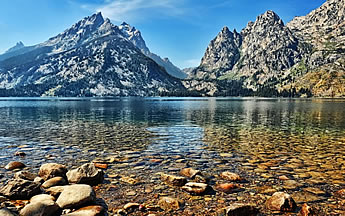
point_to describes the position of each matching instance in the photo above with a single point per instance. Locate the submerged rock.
(20, 189)
(25, 175)
(174, 180)
(190, 172)
(169, 203)
(231, 176)
(226, 188)
(51, 170)
(239, 209)
(306, 210)
(85, 174)
(195, 188)
(281, 201)
(74, 196)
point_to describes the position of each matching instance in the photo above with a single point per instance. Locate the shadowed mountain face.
(92, 58)
(270, 58)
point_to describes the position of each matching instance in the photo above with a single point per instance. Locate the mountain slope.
(136, 38)
(92, 58)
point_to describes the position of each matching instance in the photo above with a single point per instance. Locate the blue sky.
(178, 29)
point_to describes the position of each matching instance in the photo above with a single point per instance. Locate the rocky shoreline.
(94, 189)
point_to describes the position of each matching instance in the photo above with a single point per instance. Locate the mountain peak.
(96, 19)
(269, 17)
(18, 46)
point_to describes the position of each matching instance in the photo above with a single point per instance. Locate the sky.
(178, 29)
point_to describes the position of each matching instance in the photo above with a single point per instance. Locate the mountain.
(18, 46)
(136, 38)
(92, 58)
(269, 58)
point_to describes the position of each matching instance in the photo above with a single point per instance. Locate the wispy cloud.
(139, 10)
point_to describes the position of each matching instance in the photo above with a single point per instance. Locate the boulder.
(231, 176)
(51, 170)
(94, 210)
(85, 174)
(281, 201)
(56, 181)
(169, 203)
(25, 175)
(55, 191)
(239, 209)
(130, 207)
(20, 189)
(40, 205)
(74, 196)
(173, 180)
(340, 193)
(190, 172)
(14, 165)
(195, 188)
(6, 212)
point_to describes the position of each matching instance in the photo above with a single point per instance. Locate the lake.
(259, 138)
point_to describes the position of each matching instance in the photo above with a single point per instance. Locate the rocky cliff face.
(269, 57)
(92, 58)
(220, 56)
(134, 35)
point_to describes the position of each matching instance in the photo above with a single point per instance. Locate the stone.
(189, 172)
(39, 180)
(56, 181)
(85, 174)
(40, 205)
(283, 178)
(128, 180)
(315, 191)
(306, 210)
(200, 179)
(20, 189)
(74, 196)
(6, 212)
(51, 170)
(239, 209)
(130, 207)
(306, 197)
(340, 193)
(195, 188)
(291, 185)
(226, 187)
(94, 210)
(20, 154)
(25, 175)
(173, 180)
(231, 176)
(169, 203)
(101, 165)
(14, 165)
(55, 191)
(281, 201)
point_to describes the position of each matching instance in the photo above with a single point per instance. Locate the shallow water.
(303, 139)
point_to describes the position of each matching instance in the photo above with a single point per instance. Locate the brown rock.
(25, 175)
(130, 207)
(195, 188)
(306, 211)
(51, 170)
(173, 180)
(226, 188)
(94, 210)
(340, 193)
(231, 176)
(283, 178)
(168, 203)
(281, 201)
(6, 212)
(20, 154)
(129, 180)
(14, 165)
(101, 165)
(239, 209)
(189, 172)
(56, 181)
